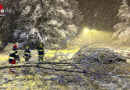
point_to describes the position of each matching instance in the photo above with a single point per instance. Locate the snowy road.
(63, 54)
(123, 51)
(38, 79)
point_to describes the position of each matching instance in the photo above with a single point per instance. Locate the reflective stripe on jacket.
(41, 55)
(40, 51)
(11, 57)
(27, 53)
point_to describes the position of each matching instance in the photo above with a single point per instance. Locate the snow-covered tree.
(124, 11)
(122, 29)
(47, 21)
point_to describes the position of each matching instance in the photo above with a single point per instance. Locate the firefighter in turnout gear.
(12, 60)
(40, 52)
(13, 57)
(27, 54)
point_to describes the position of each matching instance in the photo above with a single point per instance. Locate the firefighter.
(27, 54)
(12, 57)
(15, 48)
(12, 60)
(40, 52)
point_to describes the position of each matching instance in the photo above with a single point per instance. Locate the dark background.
(100, 14)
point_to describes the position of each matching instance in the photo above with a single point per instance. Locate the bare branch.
(39, 66)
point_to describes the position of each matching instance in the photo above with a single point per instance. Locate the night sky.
(100, 14)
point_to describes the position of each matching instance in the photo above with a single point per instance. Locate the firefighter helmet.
(15, 46)
(41, 45)
(27, 47)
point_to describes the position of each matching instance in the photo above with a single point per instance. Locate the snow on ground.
(63, 54)
(53, 81)
(125, 51)
(49, 54)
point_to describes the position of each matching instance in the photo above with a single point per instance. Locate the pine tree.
(124, 11)
(122, 29)
(49, 22)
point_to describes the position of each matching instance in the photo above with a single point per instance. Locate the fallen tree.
(39, 66)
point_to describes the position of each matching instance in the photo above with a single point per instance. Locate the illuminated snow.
(26, 10)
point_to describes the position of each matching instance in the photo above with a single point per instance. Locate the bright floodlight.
(86, 30)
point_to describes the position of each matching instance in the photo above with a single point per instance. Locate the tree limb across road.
(39, 66)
